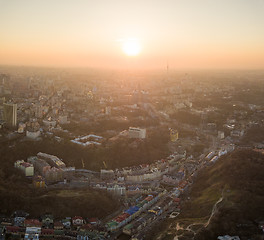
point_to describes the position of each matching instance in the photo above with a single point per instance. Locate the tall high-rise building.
(10, 114)
(4, 79)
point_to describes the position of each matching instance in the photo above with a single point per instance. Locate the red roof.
(149, 198)
(77, 217)
(26, 164)
(182, 184)
(93, 220)
(47, 231)
(32, 222)
(12, 229)
(125, 215)
(122, 217)
(58, 224)
(118, 220)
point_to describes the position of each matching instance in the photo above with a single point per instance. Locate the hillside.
(17, 193)
(121, 153)
(238, 178)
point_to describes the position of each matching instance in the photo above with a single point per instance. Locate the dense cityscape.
(132, 120)
(194, 124)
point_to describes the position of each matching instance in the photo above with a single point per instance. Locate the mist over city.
(132, 120)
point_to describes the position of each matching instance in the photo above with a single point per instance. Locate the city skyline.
(187, 34)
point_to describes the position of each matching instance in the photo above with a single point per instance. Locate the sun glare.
(131, 47)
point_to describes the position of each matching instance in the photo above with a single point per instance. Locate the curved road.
(214, 209)
(189, 227)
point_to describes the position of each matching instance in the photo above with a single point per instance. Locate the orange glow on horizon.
(189, 34)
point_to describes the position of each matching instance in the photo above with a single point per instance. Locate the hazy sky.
(186, 33)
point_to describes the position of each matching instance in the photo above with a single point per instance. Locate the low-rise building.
(54, 175)
(41, 166)
(27, 168)
(39, 182)
(33, 223)
(116, 189)
(47, 221)
(134, 132)
(51, 160)
(227, 237)
(237, 133)
(107, 174)
(171, 179)
(150, 175)
(19, 221)
(221, 135)
(66, 222)
(33, 134)
(21, 127)
(88, 140)
(47, 233)
(49, 123)
(32, 233)
(63, 119)
(77, 221)
(58, 226)
(210, 155)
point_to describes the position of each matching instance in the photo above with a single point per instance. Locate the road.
(214, 209)
(189, 227)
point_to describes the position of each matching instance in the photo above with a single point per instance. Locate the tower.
(167, 72)
(10, 114)
(4, 79)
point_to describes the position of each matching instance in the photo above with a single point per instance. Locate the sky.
(202, 34)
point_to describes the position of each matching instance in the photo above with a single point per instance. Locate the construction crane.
(82, 163)
(105, 165)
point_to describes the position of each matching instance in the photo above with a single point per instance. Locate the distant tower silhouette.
(29, 83)
(167, 71)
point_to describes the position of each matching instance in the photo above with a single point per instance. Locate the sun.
(131, 47)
